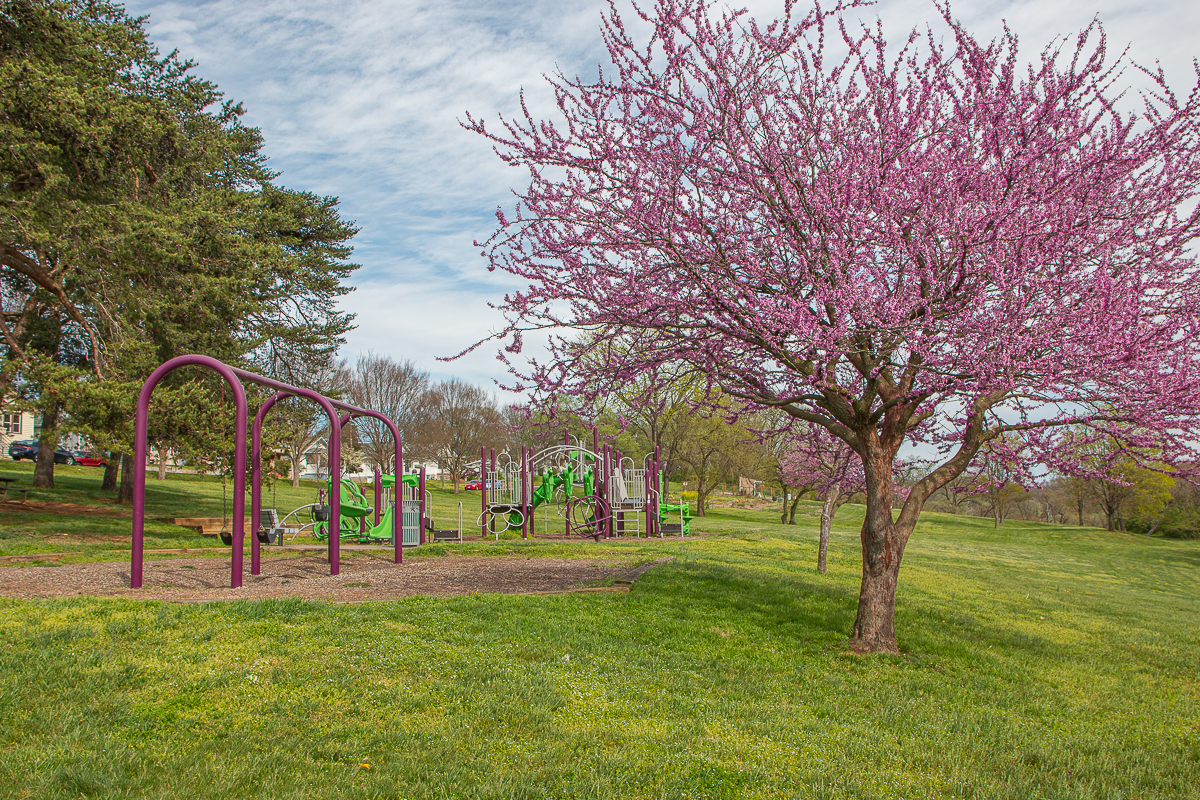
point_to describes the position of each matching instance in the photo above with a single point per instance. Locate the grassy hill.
(1039, 662)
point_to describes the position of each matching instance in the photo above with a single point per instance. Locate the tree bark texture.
(125, 494)
(112, 466)
(795, 505)
(829, 508)
(883, 543)
(162, 464)
(43, 471)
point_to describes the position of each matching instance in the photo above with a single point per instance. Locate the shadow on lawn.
(785, 605)
(817, 612)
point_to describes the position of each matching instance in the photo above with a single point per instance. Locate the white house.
(16, 425)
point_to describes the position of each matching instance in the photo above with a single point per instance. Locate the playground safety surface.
(364, 576)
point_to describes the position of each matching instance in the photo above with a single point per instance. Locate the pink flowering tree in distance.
(937, 243)
(815, 458)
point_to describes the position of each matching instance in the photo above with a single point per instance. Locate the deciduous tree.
(463, 419)
(397, 389)
(925, 243)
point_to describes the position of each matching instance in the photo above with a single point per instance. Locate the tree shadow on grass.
(785, 605)
(814, 613)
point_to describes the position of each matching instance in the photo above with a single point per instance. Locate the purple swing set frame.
(234, 376)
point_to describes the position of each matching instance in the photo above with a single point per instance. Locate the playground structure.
(618, 498)
(234, 377)
(355, 513)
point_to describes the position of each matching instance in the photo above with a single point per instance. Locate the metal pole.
(140, 446)
(603, 495)
(233, 375)
(421, 491)
(483, 484)
(256, 477)
(526, 491)
(658, 495)
(397, 519)
(378, 494)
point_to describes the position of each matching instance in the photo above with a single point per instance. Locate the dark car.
(28, 448)
(86, 458)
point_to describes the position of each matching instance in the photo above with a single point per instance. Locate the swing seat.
(268, 526)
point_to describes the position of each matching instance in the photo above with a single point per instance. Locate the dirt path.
(51, 507)
(363, 577)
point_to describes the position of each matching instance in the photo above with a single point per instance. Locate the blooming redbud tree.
(935, 244)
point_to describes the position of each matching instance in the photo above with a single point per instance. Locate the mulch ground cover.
(364, 576)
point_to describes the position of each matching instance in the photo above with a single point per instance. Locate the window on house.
(11, 423)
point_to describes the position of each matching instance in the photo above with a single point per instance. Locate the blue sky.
(361, 99)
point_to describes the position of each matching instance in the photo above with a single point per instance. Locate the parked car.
(474, 486)
(87, 458)
(25, 448)
(28, 448)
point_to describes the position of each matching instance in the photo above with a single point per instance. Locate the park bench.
(8, 486)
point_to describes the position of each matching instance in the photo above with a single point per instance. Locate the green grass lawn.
(1039, 662)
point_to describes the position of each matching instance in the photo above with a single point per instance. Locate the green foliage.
(1181, 518)
(139, 221)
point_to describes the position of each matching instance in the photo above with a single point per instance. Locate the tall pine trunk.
(43, 471)
(112, 466)
(125, 494)
(883, 543)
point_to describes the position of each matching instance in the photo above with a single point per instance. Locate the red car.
(87, 458)
(475, 486)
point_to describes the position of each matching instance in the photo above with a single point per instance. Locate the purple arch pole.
(233, 377)
(378, 494)
(424, 510)
(335, 446)
(398, 472)
(141, 426)
(335, 465)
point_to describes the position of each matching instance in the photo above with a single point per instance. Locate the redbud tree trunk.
(883, 542)
(833, 501)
